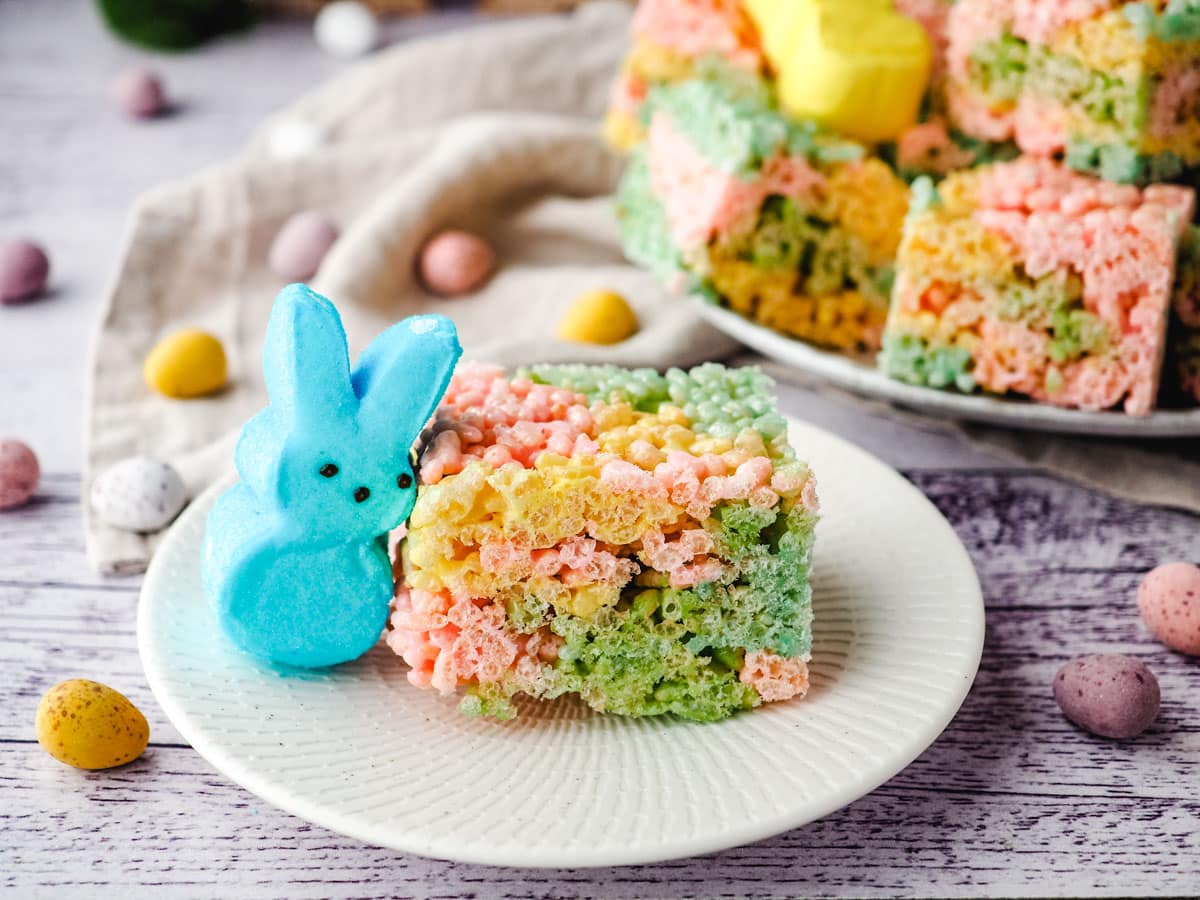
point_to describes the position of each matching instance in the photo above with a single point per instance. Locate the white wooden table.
(1010, 801)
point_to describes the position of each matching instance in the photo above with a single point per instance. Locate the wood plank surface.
(1010, 801)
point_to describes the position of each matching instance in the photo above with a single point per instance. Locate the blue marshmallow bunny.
(295, 555)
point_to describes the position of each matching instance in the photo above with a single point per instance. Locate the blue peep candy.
(295, 555)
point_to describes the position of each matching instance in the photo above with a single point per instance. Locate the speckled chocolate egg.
(455, 262)
(293, 138)
(140, 94)
(301, 244)
(1169, 601)
(90, 726)
(1108, 694)
(19, 473)
(346, 29)
(138, 494)
(24, 270)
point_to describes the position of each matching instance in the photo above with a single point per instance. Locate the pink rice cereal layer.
(447, 640)
(703, 203)
(693, 28)
(1122, 242)
(485, 416)
(774, 677)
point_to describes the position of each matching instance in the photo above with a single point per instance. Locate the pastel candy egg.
(301, 244)
(598, 317)
(90, 726)
(1169, 601)
(1109, 695)
(138, 494)
(346, 29)
(19, 473)
(24, 270)
(455, 262)
(188, 363)
(293, 138)
(139, 92)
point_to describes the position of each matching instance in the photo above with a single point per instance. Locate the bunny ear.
(401, 376)
(305, 360)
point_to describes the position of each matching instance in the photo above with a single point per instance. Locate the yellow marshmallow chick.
(856, 66)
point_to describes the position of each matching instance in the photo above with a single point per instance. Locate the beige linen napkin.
(493, 128)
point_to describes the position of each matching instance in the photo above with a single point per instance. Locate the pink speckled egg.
(24, 270)
(19, 473)
(301, 244)
(1110, 695)
(455, 262)
(1169, 601)
(140, 94)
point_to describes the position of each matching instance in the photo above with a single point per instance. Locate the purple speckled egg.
(19, 473)
(24, 270)
(301, 244)
(140, 94)
(1169, 602)
(455, 262)
(1108, 694)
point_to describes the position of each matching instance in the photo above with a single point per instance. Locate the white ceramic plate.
(860, 376)
(898, 636)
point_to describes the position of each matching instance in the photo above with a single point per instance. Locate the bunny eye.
(404, 481)
(329, 470)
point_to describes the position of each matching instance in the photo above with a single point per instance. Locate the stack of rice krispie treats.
(1112, 86)
(1051, 262)
(775, 218)
(643, 541)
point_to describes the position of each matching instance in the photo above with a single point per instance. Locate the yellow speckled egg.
(598, 317)
(187, 363)
(90, 726)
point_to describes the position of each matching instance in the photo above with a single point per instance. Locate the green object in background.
(174, 24)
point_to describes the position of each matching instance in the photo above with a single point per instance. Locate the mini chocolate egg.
(189, 363)
(24, 270)
(19, 473)
(455, 262)
(293, 138)
(346, 29)
(1169, 602)
(90, 726)
(138, 494)
(598, 317)
(139, 92)
(301, 244)
(1110, 695)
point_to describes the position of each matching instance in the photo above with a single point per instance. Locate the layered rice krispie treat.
(1115, 86)
(772, 217)
(674, 40)
(1029, 278)
(641, 540)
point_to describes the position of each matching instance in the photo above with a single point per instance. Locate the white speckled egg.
(346, 29)
(138, 494)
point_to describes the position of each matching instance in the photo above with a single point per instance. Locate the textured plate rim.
(156, 664)
(854, 376)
